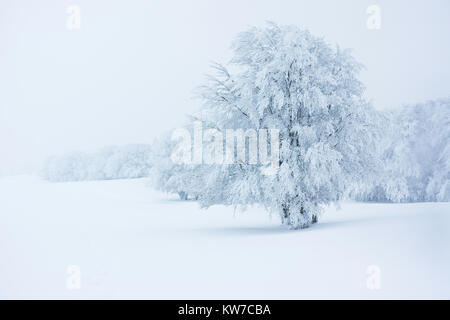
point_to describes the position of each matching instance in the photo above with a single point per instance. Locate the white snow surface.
(132, 242)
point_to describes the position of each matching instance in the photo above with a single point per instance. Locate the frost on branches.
(287, 79)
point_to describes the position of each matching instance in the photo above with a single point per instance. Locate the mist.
(128, 73)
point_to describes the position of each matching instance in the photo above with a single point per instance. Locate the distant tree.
(436, 116)
(180, 178)
(115, 162)
(415, 157)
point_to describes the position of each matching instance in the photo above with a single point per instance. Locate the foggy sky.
(128, 73)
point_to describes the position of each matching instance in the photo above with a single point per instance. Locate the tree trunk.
(183, 195)
(303, 223)
(285, 216)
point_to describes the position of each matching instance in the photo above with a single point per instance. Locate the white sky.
(128, 73)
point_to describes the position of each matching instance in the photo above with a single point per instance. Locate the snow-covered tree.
(168, 176)
(415, 157)
(438, 126)
(390, 183)
(287, 79)
(115, 162)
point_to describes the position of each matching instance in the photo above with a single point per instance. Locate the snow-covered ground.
(132, 242)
